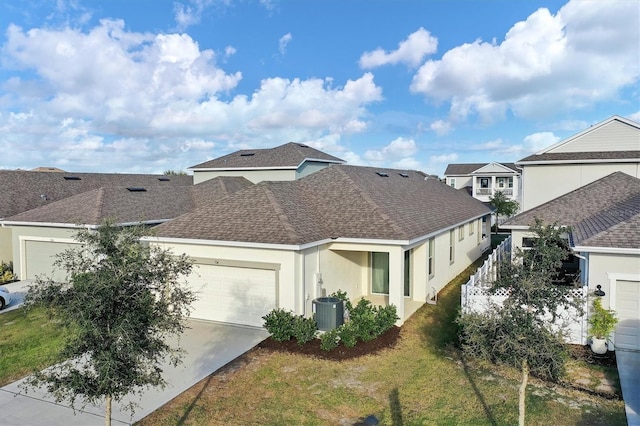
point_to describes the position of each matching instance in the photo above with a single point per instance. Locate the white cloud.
(441, 127)
(635, 116)
(283, 42)
(538, 141)
(398, 149)
(109, 84)
(411, 51)
(584, 54)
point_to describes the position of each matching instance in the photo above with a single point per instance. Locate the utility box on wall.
(328, 312)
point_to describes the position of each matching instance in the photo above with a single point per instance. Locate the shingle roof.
(336, 202)
(468, 168)
(581, 156)
(25, 190)
(289, 155)
(604, 213)
(131, 204)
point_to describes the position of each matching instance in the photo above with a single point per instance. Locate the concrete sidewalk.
(629, 373)
(209, 347)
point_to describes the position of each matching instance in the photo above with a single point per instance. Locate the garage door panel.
(628, 311)
(39, 257)
(233, 294)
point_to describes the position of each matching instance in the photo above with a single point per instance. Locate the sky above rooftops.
(151, 85)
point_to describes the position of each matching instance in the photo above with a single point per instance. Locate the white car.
(5, 297)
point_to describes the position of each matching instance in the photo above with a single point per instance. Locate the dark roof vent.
(404, 175)
(164, 179)
(247, 154)
(136, 189)
(303, 145)
(382, 174)
(72, 178)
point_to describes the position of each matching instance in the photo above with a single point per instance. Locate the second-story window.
(484, 182)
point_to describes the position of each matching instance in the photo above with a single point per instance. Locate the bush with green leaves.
(348, 334)
(329, 339)
(6, 273)
(279, 323)
(304, 329)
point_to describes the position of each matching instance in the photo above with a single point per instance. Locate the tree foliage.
(122, 300)
(503, 205)
(524, 332)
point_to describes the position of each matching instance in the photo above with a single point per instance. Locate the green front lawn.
(424, 380)
(29, 341)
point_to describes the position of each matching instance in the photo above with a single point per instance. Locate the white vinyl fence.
(475, 296)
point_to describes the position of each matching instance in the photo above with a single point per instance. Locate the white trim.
(516, 227)
(586, 161)
(22, 247)
(607, 250)
(614, 277)
(221, 169)
(588, 130)
(80, 226)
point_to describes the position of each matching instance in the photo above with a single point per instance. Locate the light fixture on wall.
(598, 291)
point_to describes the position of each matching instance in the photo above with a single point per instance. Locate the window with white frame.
(432, 257)
(380, 272)
(407, 273)
(452, 182)
(452, 242)
(472, 227)
(461, 233)
(484, 182)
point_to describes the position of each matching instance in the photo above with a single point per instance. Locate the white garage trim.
(23, 240)
(631, 341)
(235, 292)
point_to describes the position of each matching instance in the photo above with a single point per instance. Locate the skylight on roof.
(136, 189)
(164, 179)
(382, 174)
(404, 175)
(247, 154)
(72, 178)
(303, 146)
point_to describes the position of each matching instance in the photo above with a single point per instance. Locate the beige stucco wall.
(310, 167)
(603, 265)
(542, 183)
(40, 233)
(288, 265)
(254, 176)
(6, 250)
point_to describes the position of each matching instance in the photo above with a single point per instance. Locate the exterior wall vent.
(136, 189)
(247, 154)
(72, 178)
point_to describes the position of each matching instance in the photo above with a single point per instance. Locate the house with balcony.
(483, 180)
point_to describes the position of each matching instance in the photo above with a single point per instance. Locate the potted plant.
(601, 323)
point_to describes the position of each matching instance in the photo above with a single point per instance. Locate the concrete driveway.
(18, 290)
(629, 373)
(209, 347)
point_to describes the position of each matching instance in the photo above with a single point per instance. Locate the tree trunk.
(107, 412)
(522, 393)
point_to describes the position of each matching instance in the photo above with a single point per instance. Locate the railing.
(475, 296)
(491, 191)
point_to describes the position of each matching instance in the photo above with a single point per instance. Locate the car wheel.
(1, 303)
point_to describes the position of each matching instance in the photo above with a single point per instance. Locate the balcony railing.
(491, 191)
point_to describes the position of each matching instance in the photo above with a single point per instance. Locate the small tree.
(121, 302)
(524, 331)
(503, 205)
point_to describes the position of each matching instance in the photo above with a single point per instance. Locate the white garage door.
(233, 294)
(628, 310)
(39, 257)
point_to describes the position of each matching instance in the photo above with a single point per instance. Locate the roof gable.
(596, 212)
(288, 156)
(336, 202)
(496, 168)
(468, 169)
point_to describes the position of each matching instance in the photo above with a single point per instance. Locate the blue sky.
(144, 86)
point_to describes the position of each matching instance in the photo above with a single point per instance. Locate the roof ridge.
(284, 219)
(373, 204)
(99, 204)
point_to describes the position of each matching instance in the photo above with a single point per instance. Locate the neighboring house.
(37, 235)
(604, 217)
(22, 190)
(483, 180)
(610, 146)
(290, 161)
(391, 236)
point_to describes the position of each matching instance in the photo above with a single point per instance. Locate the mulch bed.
(340, 353)
(584, 353)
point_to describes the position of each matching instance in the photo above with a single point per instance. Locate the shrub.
(280, 324)
(363, 317)
(6, 273)
(386, 318)
(329, 339)
(304, 329)
(348, 334)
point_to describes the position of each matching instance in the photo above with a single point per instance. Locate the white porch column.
(494, 186)
(396, 281)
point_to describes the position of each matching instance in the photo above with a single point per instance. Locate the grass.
(29, 341)
(423, 380)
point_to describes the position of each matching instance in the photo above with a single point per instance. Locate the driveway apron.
(629, 372)
(209, 346)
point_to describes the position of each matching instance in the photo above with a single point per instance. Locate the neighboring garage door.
(39, 257)
(628, 310)
(233, 294)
